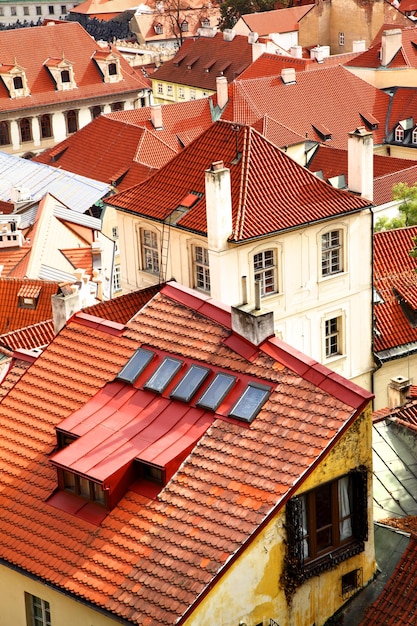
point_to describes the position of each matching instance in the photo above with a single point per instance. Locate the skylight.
(163, 375)
(135, 365)
(216, 391)
(189, 384)
(250, 402)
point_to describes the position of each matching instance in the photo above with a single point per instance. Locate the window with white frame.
(414, 135)
(159, 88)
(150, 252)
(201, 268)
(38, 612)
(170, 90)
(181, 92)
(265, 271)
(399, 133)
(332, 253)
(341, 39)
(117, 278)
(192, 94)
(333, 336)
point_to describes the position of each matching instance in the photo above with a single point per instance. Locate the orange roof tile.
(405, 57)
(80, 258)
(278, 21)
(188, 67)
(305, 103)
(123, 308)
(30, 47)
(31, 337)
(143, 563)
(14, 261)
(256, 211)
(13, 316)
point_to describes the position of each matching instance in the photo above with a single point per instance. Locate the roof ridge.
(243, 188)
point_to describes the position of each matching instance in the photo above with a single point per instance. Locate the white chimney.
(391, 42)
(222, 91)
(398, 389)
(156, 116)
(361, 162)
(252, 37)
(218, 206)
(288, 75)
(296, 51)
(257, 50)
(64, 305)
(228, 34)
(359, 45)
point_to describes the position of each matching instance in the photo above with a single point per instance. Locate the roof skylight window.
(216, 391)
(135, 365)
(250, 402)
(189, 384)
(163, 375)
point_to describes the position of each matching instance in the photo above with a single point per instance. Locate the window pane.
(163, 375)
(84, 487)
(217, 390)
(192, 380)
(323, 505)
(251, 401)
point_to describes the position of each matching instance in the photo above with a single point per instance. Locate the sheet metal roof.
(77, 192)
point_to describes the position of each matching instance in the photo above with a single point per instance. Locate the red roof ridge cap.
(204, 304)
(107, 326)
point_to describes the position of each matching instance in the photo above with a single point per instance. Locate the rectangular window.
(150, 252)
(63, 9)
(331, 253)
(117, 279)
(25, 10)
(13, 11)
(1, 11)
(333, 336)
(160, 88)
(37, 611)
(327, 525)
(38, 10)
(265, 271)
(170, 90)
(192, 94)
(201, 268)
(341, 39)
(51, 9)
(181, 92)
(80, 486)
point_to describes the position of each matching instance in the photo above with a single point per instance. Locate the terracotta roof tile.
(30, 337)
(13, 316)
(279, 21)
(123, 308)
(150, 560)
(405, 57)
(80, 258)
(310, 199)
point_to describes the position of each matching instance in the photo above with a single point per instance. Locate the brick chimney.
(156, 116)
(361, 162)
(391, 42)
(222, 91)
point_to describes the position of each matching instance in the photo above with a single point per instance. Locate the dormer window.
(205, 22)
(399, 134)
(18, 82)
(112, 69)
(14, 79)
(62, 72)
(28, 296)
(159, 30)
(109, 65)
(184, 26)
(414, 135)
(65, 76)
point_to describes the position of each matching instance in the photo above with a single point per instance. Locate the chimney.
(252, 37)
(222, 91)
(218, 206)
(391, 42)
(257, 50)
(361, 162)
(288, 75)
(64, 304)
(359, 45)
(398, 389)
(229, 34)
(156, 116)
(255, 326)
(296, 51)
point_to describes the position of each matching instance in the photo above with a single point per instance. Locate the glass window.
(38, 10)
(117, 278)
(181, 92)
(65, 76)
(18, 82)
(25, 129)
(117, 106)
(201, 268)
(63, 9)
(25, 10)
(72, 122)
(216, 391)
(333, 336)
(341, 39)
(46, 126)
(4, 134)
(40, 614)
(250, 402)
(331, 253)
(13, 11)
(184, 26)
(95, 111)
(150, 252)
(112, 69)
(51, 9)
(1, 11)
(192, 94)
(399, 134)
(163, 375)
(414, 136)
(135, 365)
(160, 88)
(265, 271)
(170, 90)
(189, 384)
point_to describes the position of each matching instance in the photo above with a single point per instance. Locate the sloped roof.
(200, 61)
(145, 22)
(302, 105)
(405, 57)
(123, 308)
(12, 316)
(80, 258)
(397, 603)
(278, 21)
(13, 371)
(31, 47)
(394, 269)
(296, 198)
(151, 559)
(404, 105)
(137, 149)
(30, 337)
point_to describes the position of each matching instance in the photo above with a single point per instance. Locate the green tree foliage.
(407, 208)
(231, 10)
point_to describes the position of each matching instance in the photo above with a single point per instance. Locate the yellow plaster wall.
(64, 610)
(313, 28)
(251, 592)
(190, 93)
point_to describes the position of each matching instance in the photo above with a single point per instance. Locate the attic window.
(163, 375)
(28, 297)
(323, 132)
(65, 76)
(250, 402)
(189, 384)
(18, 82)
(370, 121)
(81, 486)
(112, 69)
(184, 26)
(217, 391)
(399, 133)
(209, 65)
(158, 28)
(135, 365)
(205, 22)
(192, 62)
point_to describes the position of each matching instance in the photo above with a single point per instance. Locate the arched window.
(46, 126)
(4, 134)
(414, 136)
(184, 26)
(399, 133)
(95, 111)
(72, 122)
(25, 129)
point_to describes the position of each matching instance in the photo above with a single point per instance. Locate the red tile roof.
(394, 268)
(397, 604)
(80, 258)
(404, 106)
(278, 21)
(13, 371)
(405, 57)
(189, 66)
(150, 560)
(13, 317)
(14, 261)
(123, 308)
(31, 47)
(305, 104)
(256, 211)
(30, 337)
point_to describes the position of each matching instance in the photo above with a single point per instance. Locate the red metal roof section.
(296, 105)
(394, 269)
(191, 70)
(143, 564)
(256, 210)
